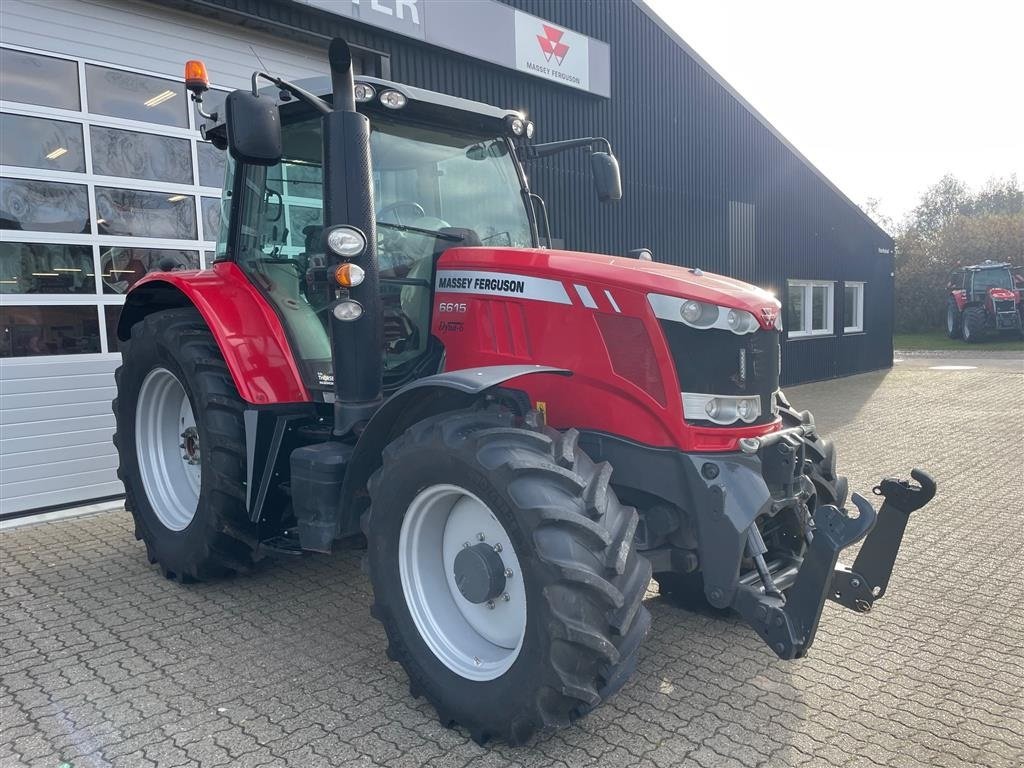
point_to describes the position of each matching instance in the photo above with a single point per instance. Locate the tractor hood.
(616, 271)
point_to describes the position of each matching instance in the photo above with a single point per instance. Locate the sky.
(883, 97)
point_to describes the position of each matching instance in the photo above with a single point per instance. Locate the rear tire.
(953, 320)
(204, 533)
(974, 325)
(583, 582)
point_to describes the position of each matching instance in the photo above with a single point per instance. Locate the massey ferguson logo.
(551, 44)
(769, 314)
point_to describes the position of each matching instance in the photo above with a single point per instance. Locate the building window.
(138, 97)
(29, 78)
(811, 304)
(853, 307)
(46, 268)
(43, 206)
(30, 331)
(135, 213)
(37, 142)
(123, 267)
(137, 155)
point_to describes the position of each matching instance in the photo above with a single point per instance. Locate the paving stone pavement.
(104, 663)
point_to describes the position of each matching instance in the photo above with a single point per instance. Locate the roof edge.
(689, 51)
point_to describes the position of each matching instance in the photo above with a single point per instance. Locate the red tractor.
(385, 348)
(986, 296)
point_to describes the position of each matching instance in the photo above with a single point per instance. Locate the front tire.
(567, 636)
(974, 325)
(180, 440)
(953, 320)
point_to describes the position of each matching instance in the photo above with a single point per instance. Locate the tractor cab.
(445, 172)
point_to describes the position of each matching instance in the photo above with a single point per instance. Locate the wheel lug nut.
(465, 545)
(505, 597)
(497, 547)
(508, 573)
(480, 537)
(490, 604)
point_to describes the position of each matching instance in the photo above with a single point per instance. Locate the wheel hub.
(479, 573)
(190, 446)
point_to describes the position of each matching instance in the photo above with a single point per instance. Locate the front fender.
(247, 330)
(416, 401)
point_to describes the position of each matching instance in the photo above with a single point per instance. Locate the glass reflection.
(43, 206)
(36, 142)
(46, 268)
(146, 214)
(138, 155)
(32, 331)
(123, 267)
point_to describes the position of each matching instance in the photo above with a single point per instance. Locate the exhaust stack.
(348, 200)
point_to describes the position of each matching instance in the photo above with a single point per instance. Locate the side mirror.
(606, 176)
(254, 128)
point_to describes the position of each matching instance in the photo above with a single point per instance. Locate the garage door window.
(46, 268)
(810, 306)
(29, 78)
(137, 155)
(35, 142)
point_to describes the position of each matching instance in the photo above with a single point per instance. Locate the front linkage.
(788, 624)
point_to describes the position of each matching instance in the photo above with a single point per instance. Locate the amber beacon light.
(196, 78)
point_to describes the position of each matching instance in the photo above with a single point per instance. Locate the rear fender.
(247, 330)
(425, 397)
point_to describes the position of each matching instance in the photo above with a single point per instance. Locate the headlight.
(721, 409)
(348, 310)
(530, 130)
(691, 311)
(518, 126)
(702, 315)
(392, 99)
(346, 241)
(740, 322)
(364, 92)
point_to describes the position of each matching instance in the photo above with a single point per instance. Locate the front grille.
(719, 362)
(1004, 305)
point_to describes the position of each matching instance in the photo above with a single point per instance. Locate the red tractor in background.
(385, 348)
(984, 297)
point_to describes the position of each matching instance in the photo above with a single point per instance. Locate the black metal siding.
(687, 148)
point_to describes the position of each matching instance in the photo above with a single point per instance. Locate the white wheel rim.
(475, 641)
(167, 448)
(949, 319)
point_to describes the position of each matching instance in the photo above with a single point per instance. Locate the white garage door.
(103, 176)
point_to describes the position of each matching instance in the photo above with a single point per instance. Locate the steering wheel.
(401, 204)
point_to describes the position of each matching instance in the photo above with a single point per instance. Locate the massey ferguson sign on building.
(490, 31)
(552, 52)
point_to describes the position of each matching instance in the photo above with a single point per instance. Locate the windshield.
(425, 180)
(993, 278)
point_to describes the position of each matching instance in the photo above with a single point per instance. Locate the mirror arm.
(536, 151)
(300, 93)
